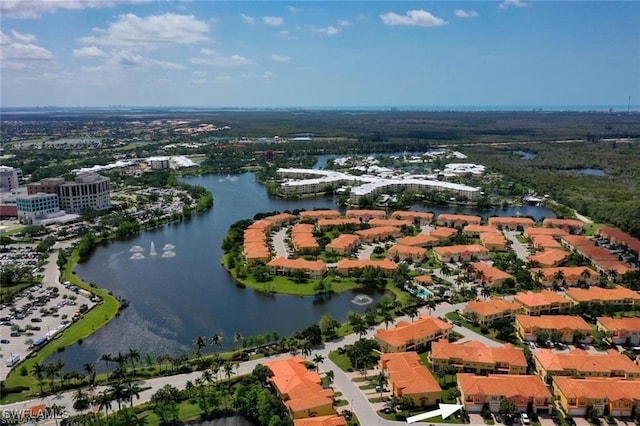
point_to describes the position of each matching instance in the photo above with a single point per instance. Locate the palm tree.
(103, 399)
(90, 369)
(318, 359)
(39, 371)
(387, 317)
(445, 270)
(117, 391)
(134, 356)
(200, 344)
(228, 369)
(216, 340)
(330, 375)
(558, 277)
(411, 311)
(306, 347)
(131, 390)
(485, 292)
(237, 339)
(107, 358)
(381, 381)
(80, 400)
(431, 305)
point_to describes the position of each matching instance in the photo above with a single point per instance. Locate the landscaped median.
(90, 322)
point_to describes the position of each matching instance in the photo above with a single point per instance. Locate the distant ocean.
(346, 108)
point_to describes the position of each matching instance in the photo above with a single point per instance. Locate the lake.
(175, 299)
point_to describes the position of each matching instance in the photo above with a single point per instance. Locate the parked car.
(4, 341)
(524, 418)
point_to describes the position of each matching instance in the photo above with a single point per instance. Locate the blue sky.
(337, 53)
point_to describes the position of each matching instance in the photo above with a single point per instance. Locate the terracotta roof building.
(568, 224)
(476, 230)
(348, 266)
(617, 237)
(579, 363)
(300, 389)
(617, 397)
(380, 233)
(409, 378)
(303, 239)
(328, 223)
(543, 302)
(366, 215)
(420, 218)
(553, 232)
(410, 336)
(455, 220)
(485, 312)
(343, 244)
(617, 296)
(544, 242)
(460, 253)
(443, 234)
(512, 223)
(476, 357)
(549, 258)
(565, 276)
(280, 219)
(398, 223)
(320, 214)
(525, 392)
(493, 241)
(623, 330)
(490, 275)
(333, 420)
(528, 326)
(415, 254)
(420, 240)
(312, 268)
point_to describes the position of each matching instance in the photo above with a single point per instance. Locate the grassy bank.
(87, 325)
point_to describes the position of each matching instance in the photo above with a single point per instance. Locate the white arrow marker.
(445, 411)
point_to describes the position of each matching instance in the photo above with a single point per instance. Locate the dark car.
(36, 320)
(4, 341)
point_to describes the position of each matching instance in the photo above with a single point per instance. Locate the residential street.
(360, 405)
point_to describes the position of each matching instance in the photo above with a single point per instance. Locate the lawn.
(284, 285)
(87, 325)
(341, 360)
(454, 316)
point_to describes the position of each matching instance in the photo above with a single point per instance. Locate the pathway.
(521, 251)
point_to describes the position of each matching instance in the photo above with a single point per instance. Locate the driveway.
(521, 251)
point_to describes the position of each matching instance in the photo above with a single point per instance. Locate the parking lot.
(38, 313)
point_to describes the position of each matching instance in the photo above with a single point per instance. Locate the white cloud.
(513, 3)
(23, 38)
(223, 77)
(89, 52)
(280, 58)
(199, 73)
(293, 9)
(247, 19)
(419, 18)
(465, 14)
(208, 52)
(21, 55)
(344, 23)
(152, 31)
(268, 75)
(329, 31)
(35, 8)
(129, 59)
(4, 39)
(286, 34)
(272, 21)
(199, 80)
(218, 60)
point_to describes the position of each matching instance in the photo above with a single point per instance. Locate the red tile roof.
(407, 331)
(474, 351)
(509, 386)
(407, 374)
(602, 294)
(613, 389)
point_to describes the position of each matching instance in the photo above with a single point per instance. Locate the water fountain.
(361, 300)
(136, 249)
(137, 256)
(168, 247)
(152, 250)
(168, 253)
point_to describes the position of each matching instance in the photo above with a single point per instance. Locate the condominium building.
(620, 296)
(512, 223)
(544, 302)
(615, 396)
(485, 312)
(10, 178)
(412, 336)
(490, 275)
(300, 389)
(528, 327)
(407, 377)
(565, 276)
(420, 218)
(579, 363)
(347, 267)
(526, 392)
(621, 330)
(343, 244)
(476, 357)
(456, 220)
(461, 253)
(312, 268)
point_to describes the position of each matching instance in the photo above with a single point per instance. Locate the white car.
(525, 418)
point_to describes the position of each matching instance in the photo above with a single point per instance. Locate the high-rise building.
(10, 178)
(87, 191)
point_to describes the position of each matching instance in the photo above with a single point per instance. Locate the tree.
(485, 292)
(381, 381)
(237, 339)
(216, 340)
(317, 360)
(117, 391)
(578, 337)
(134, 356)
(411, 311)
(200, 344)
(80, 400)
(90, 369)
(507, 406)
(39, 371)
(328, 325)
(103, 400)
(166, 404)
(131, 390)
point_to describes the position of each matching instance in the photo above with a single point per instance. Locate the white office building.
(87, 191)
